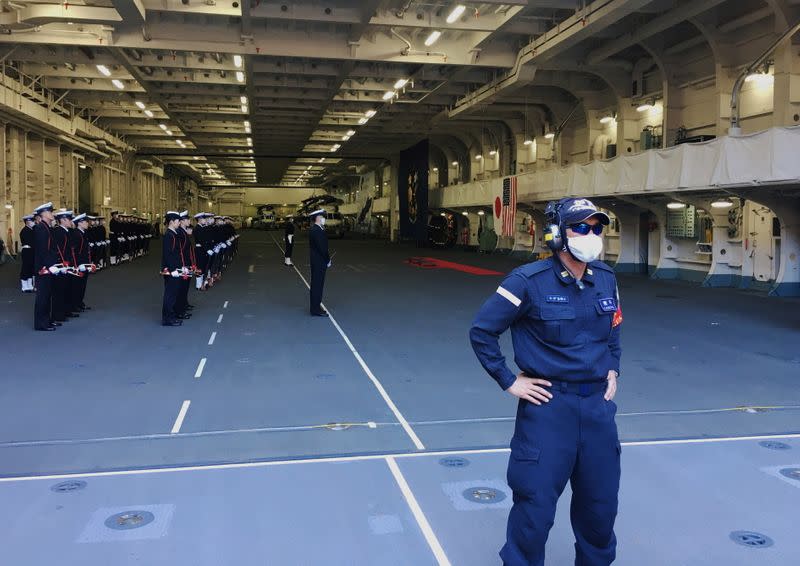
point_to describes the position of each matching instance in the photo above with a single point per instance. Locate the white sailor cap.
(64, 213)
(321, 211)
(43, 207)
(28, 217)
(80, 217)
(200, 215)
(184, 214)
(171, 215)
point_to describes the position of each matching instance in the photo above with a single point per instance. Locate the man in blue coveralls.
(564, 316)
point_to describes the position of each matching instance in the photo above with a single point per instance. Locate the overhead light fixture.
(321, 160)
(82, 166)
(163, 127)
(168, 132)
(481, 213)
(240, 76)
(247, 123)
(237, 60)
(644, 107)
(370, 113)
(721, 203)
(433, 38)
(527, 142)
(345, 138)
(455, 163)
(362, 121)
(465, 213)
(443, 214)
(139, 104)
(456, 13)
(549, 135)
(195, 157)
(606, 119)
(249, 151)
(676, 205)
(245, 109)
(389, 94)
(351, 132)
(103, 69)
(493, 152)
(243, 99)
(435, 169)
(400, 84)
(179, 142)
(118, 83)
(479, 157)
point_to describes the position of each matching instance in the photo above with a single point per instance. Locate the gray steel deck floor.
(103, 393)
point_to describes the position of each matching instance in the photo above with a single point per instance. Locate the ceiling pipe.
(735, 128)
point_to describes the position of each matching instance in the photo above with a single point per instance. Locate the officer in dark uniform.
(171, 268)
(182, 305)
(320, 260)
(45, 265)
(288, 241)
(26, 241)
(115, 234)
(62, 285)
(82, 261)
(564, 316)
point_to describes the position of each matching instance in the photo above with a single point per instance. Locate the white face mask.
(585, 248)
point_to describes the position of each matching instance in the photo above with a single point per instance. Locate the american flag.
(508, 213)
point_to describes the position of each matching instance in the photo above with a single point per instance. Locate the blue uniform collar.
(566, 279)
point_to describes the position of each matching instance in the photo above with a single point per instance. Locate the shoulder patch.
(531, 269)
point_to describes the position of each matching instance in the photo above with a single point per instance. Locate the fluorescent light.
(549, 135)
(240, 76)
(103, 69)
(148, 113)
(249, 140)
(606, 119)
(243, 99)
(389, 94)
(139, 104)
(455, 163)
(247, 123)
(370, 113)
(456, 13)
(362, 121)
(351, 132)
(676, 205)
(163, 126)
(493, 152)
(247, 130)
(82, 166)
(245, 109)
(321, 160)
(722, 203)
(435, 169)
(400, 84)
(481, 213)
(179, 142)
(433, 38)
(118, 83)
(168, 132)
(443, 214)
(644, 107)
(465, 213)
(237, 60)
(527, 142)
(478, 157)
(345, 138)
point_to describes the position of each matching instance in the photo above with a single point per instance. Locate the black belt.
(583, 388)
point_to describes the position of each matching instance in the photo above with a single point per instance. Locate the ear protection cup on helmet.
(553, 237)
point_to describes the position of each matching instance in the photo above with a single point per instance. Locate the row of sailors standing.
(205, 258)
(129, 237)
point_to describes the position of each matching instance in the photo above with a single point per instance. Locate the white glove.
(330, 263)
(82, 268)
(91, 245)
(53, 269)
(210, 252)
(108, 242)
(290, 238)
(175, 273)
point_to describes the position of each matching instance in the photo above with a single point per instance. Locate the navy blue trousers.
(572, 438)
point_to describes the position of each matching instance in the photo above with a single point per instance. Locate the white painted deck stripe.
(381, 390)
(251, 269)
(176, 428)
(225, 306)
(200, 366)
(213, 337)
(340, 459)
(419, 515)
(219, 319)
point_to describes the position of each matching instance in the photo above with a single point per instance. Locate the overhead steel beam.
(132, 11)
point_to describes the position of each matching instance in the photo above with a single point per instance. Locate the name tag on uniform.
(608, 305)
(556, 299)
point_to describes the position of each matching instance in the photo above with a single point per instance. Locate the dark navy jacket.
(558, 331)
(318, 241)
